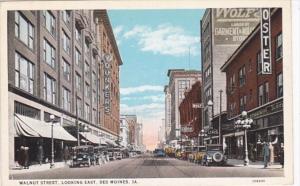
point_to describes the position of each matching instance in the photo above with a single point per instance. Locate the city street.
(147, 166)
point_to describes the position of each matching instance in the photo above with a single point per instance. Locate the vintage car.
(186, 151)
(178, 154)
(197, 155)
(214, 155)
(83, 155)
(81, 159)
(159, 153)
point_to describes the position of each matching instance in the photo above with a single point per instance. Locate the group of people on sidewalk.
(268, 153)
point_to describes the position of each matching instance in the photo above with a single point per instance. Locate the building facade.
(222, 31)
(132, 124)
(167, 120)
(258, 94)
(110, 101)
(191, 116)
(124, 132)
(180, 80)
(54, 65)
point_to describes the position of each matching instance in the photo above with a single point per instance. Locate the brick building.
(191, 118)
(54, 65)
(260, 95)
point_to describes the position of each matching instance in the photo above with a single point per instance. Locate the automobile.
(214, 155)
(118, 155)
(197, 155)
(186, 150)
(159, 153)
(83, 155)
(111, 154)
(178, 154)
(81, 159)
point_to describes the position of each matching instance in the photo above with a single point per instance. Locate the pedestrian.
(266, 154)
(25, 156)
(66, 154)
(254, 153)
(271, 158)
(40, 154)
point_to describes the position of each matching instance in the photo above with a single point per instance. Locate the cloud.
(150, 108)
(139, 89)
(164, 39)
(153, 98)
(117, 33)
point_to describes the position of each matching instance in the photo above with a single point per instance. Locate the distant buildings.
(135, 133)
(180, 81)
(124, 132)
(167, 120)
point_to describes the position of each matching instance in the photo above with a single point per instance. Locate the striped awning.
(29, 127)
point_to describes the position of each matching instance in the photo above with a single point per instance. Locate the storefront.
(267, 127)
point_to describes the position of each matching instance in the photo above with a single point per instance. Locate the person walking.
(266, 154)
(66, 154)
(25, 154)
(281, 155)
(271, 158)
(254, 153)
(40, 154)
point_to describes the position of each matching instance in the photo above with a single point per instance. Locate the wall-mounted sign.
(186, 129)
(107, 71)
(265, 35)
(197, 105)
(232, 25)
(212, 132)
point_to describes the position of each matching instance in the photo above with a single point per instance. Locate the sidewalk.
(36, 168)
(256, 164)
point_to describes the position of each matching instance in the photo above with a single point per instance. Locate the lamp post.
(202, 134)
(220, 135)
(244, 123)
(52, 117)
(210, 104)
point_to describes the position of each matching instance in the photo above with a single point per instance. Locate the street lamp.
(52, 117)
(202, 134)
(244, 123)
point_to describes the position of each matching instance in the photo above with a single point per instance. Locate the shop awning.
(29, 127)
(111, 142)
(93, 138)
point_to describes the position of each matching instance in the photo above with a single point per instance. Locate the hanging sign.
(265, 30)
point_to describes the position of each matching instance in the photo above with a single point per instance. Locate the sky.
(150, 42)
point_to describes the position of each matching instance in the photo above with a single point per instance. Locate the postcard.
(146, 92)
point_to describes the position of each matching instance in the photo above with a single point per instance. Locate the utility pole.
(220, 135)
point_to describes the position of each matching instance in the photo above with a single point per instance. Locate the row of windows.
(262, 95)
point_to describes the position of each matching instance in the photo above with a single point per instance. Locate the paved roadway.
(148, 166)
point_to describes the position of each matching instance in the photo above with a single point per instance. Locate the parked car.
(159, 153)
(214, 155)
(81, 159)
(186, 151)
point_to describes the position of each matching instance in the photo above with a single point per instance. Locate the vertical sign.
(107, 83)
(265, 29)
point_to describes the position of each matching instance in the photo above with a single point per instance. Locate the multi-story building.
(132, 124)
(191, 114)
(180, 80)
(222, 31)
(54, 65)
(110, 101)
(259, 94)
(124, 131)
(139, 135)
(167, 113)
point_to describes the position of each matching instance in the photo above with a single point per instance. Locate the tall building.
(54, 64)
(139, 135)
(259, 94)
(180, 81)
(167, 113)
(110, 101)
(132, 124)
(222, 31)
(124, 131)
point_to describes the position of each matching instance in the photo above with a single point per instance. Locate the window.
(278, 51)
(49, 54)
(243, 103)
(263, 93)
(49, 21)
(207, 73)
(94, 116)
(232, 83)
(86, 48)
(79, 107)
(66, 42)
(94, 96)
(94, 79)
(279, 85)
(49, 89)
(78, 82)
(77, 58)
(208, 94)
(24, 73)
(78, 34)
(66, 15)
(87, 69)
(87, 90)
(66, 99)
(67, 71)
(242, 75)
(87, 111)
(27, 110)
(24, 30)
(259, 62)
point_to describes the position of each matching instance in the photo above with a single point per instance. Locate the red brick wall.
(247, 57)
(187, 113)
